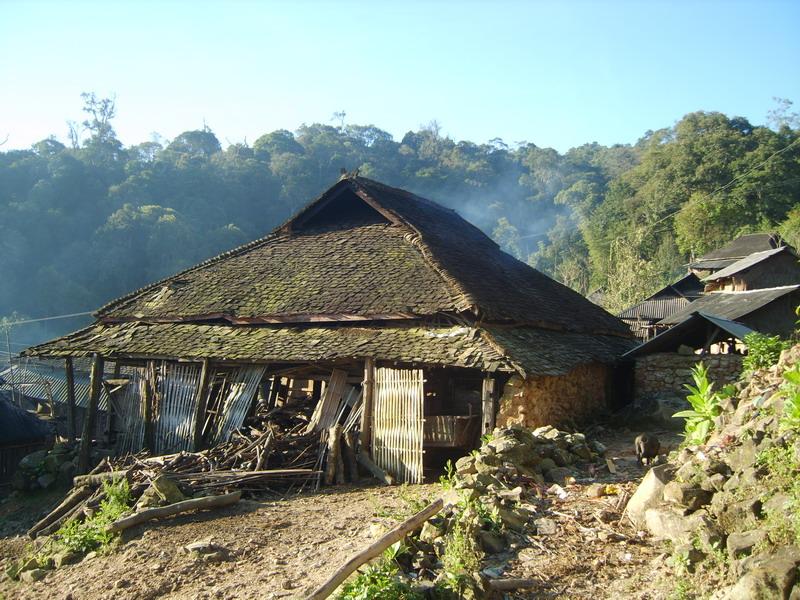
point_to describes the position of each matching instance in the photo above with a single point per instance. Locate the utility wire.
(80, 314)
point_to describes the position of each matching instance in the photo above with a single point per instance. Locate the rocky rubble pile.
(731, 503)
(496, 499)
(46, 468)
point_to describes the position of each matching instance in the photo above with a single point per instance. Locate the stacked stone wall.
(666, 373)
(555, 400)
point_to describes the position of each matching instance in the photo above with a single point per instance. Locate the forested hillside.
(87, 221)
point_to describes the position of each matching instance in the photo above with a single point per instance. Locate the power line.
(80, 314)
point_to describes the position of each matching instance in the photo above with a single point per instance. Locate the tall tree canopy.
(86, 222)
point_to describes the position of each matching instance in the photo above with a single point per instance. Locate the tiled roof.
(739, 248)
(528, 350)
(731, 305)
(654, 309)
(747, 262)
(415, 259)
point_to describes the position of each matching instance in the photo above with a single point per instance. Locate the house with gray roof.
(372, 283)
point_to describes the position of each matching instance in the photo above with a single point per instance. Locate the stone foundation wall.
(667, 372)
(555, 400)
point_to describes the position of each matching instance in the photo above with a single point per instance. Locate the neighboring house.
(770, 310)
(416, 307)
(740, 248)
(765, 269)
(643, 318)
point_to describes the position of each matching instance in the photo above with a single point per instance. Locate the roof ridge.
(755, 291)
(465, 300)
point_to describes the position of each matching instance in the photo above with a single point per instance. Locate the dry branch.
(61, 510)
(376, 548)
(174, 509)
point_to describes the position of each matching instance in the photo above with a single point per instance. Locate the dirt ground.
(285, 548)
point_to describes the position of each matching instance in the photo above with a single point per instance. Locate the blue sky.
(554, 73)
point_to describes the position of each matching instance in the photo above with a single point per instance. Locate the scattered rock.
(545, 526)
(648, 494)
(740, 544)
(32, 575)
(491, 542)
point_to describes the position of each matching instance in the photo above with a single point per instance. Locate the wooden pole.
(110, 416)
(332, 466)
(71, 426)
(201, 400)
(488, 404)
(147, 412)
(368, 389)
(174, 509)
(375, 549)
(95, 379)
(349, 449)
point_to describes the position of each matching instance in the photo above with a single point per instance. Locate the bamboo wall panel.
(174, 406)
(233, 409)
(398, 423)
(127, 405)
(325, 412)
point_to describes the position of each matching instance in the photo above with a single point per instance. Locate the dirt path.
(283, 549)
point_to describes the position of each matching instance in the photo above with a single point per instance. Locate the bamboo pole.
(71, 420)
(376, 548)
(95, 378)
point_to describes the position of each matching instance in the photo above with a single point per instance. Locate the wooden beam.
(95, 378)
(368, 390)
(71, 418)
(200, 403)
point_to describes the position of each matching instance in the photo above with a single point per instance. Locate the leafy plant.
(791, 394)
(705, 407)
(91, 534)
(763, 350)
(381, 580)
(448, 480)
(783, 477)
(461, 557)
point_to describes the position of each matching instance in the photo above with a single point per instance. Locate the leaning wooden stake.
(96, 376)
(174, 509)
(366, 462)
(375, 549)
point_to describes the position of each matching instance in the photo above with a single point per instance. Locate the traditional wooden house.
(765, 269)
(643, 317)
(769, 310)
(369, 286)
(740, 248)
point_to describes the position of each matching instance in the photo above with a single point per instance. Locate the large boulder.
(649, 494)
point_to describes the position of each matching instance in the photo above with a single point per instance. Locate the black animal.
(647, 447)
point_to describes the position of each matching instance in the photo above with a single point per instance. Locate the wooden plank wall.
(398, 423)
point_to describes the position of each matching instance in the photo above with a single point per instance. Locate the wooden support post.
(200, 402)
(95, 379)
(332, 469)
(147, 412)
(368, 391)
(110, 415)
(71, 418)
(349, 449)
(488, 404)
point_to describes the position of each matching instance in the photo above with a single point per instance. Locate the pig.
(647, 447)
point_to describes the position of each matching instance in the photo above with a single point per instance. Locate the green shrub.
(448, 480)
(791, 394)
(705, 407)
(783, 477)
(763, 351)
(91, 534)
(380, 580)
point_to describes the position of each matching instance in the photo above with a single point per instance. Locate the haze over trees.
(89, 221)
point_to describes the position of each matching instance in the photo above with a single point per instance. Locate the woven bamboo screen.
(397, 423)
